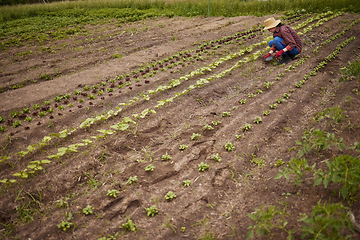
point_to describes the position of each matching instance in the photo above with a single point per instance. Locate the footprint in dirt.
(127, 210)
(119, 207)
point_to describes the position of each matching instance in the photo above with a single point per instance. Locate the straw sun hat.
(270, 23)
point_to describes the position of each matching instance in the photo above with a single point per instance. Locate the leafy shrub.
(327, 221)
(343, 169)
(296, 168)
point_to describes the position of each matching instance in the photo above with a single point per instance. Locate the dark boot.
(292, 56)
(285, 59)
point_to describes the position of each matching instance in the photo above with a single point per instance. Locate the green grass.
(26, 24)
(110, 8)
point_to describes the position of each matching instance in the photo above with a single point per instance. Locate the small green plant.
(266, 112)
(267, 85)
(215, 123)
(88, 210)
(195, 136)
(14, 114)
(327, 221)
(62, 203)
(280, 100)
(286, 95)
(132, 180)
(129, 225)
(149, 168)
(239, 136)
(169, 225)
(296, 168)
(203, 166)
(216, 157)
(207, 127)
(187, 183)
(343, 170)
(318, 140)
(257, 160)
(350, 72)
(17, 124)
(92, 182)
(257, 120)
(167, 157)
(242, 101)
(183, 147)
(279, 163)
(112, 193)
(246, 127)
(335, 113)
(36, 106)
(170, 196)
(65, 225)
(28, 119)
(110, 237)
(267, 219)
(25, 110)
(273, 106)
(151, 211)
(225, 114)
(229, 146)
(57, 98)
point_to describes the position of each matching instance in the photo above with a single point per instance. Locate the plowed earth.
(219, 199)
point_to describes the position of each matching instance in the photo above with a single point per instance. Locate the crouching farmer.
(286, 41)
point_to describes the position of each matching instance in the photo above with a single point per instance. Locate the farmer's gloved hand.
(279, 53)
(268, 55)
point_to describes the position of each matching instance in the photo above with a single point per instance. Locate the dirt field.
(217, 202)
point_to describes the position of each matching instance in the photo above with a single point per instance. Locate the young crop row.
(281, 99)
(125, 123)
(146, 73)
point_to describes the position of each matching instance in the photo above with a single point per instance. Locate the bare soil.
(219, 199)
